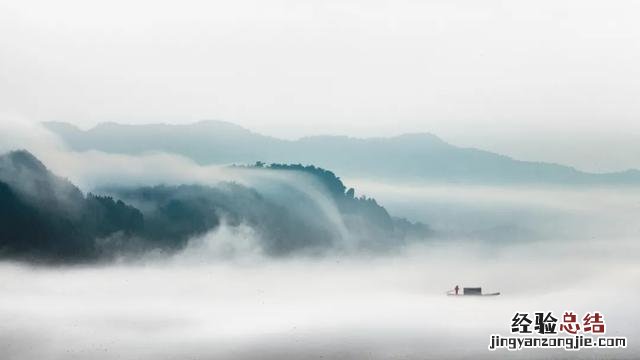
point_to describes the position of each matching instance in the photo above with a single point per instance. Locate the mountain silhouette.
(413, 157)
(44, 217)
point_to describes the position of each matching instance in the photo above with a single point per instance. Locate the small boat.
(471, 291)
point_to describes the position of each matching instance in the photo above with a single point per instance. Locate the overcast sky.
(543, 80)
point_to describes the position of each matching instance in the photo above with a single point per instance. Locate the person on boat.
(457, 288)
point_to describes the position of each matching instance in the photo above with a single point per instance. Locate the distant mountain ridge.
(413, 157)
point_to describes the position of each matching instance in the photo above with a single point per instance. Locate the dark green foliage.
(38, 232)
(328, 179)
(46, 218)
(368, 222)
(176, 213)
(26, 231)
(103, 215)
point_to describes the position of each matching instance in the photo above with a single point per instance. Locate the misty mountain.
(414, 157)
(285, 218)
(43, 216)
(46, 217)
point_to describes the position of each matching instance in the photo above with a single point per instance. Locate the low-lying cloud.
(336, 307)
(221, 296)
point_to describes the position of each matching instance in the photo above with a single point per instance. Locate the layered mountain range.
(412, 157)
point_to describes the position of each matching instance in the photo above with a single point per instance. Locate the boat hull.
(490, 294)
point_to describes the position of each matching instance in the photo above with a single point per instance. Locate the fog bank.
(220, 298)
(333, 308)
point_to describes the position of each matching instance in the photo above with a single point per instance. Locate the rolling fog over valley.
(322, 180)
(154, 256)
(221, 297)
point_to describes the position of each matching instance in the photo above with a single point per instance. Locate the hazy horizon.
(551, 81)
(608, 165)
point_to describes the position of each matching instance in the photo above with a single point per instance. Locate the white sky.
(544, 80)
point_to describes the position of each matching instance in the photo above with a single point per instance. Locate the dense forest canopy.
(46, 217)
